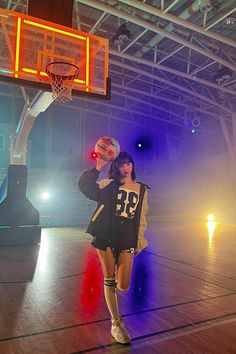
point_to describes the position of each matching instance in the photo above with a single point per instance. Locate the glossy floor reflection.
(182, 298)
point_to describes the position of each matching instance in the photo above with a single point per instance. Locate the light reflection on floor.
(43, 257)
(141, 282)
(91, 291)
(211, 226)
(184, 279)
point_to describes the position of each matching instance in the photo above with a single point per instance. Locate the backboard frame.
(36, 77)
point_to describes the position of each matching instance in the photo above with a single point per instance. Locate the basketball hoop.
(62, 76)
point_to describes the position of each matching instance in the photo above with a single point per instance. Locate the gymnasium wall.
(189, 176)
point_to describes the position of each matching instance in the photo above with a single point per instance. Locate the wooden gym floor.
(182, 299)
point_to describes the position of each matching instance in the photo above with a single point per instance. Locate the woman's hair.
(123, 157)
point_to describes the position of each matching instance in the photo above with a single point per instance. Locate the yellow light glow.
(211, 226)
(211, 217)
(42, 73)
(17, 46)
(87, 64)
(79, 81)
(106, 68)
(31, 71)
(40, 25)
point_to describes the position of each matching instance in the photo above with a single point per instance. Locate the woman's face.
(126, 169)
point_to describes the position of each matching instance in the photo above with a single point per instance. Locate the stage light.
(196, 122)
(230, 21)
(45, 195)
(93, 155)
(205, 5)
(143, 144)
(223, 74)
(121, 36)
(210, 217)
(191, 120)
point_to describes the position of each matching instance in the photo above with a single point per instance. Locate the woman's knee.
(122, 287)
(108, 272)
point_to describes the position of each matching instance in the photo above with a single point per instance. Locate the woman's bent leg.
(107, 260)
(124, 270)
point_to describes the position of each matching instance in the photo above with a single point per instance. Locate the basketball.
(107, 148)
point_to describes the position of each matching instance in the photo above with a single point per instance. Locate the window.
(2, 141)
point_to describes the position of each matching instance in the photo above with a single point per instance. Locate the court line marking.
(126, 315)
(190, 324)
(194, 276)
(173, 336)
(189, 265)
(158, 340)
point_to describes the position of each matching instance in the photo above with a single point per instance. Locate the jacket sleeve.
(142, 242)
(88, 185)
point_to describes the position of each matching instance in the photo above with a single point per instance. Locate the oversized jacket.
(103, 223)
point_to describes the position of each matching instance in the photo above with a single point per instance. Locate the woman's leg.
(124, 269)
(107, 260)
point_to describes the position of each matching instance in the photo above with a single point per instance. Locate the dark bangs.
(123, 157)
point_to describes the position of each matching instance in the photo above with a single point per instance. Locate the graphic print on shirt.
(126, 204)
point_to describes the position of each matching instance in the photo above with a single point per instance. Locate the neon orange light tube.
(87, 64)
(105, 68)
(79, 81)
(42, 73)
(17, 46)
(31, 71)
(55, 29)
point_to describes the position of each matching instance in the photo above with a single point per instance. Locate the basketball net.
(62, 76)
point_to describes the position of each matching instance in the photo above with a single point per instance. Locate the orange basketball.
(107, 148)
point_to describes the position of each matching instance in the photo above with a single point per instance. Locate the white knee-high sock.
(110, 293)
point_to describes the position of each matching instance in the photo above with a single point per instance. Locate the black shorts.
(103, 246)
(122, 239)
(115, 252)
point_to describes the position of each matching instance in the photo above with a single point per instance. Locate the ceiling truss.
(169, 61)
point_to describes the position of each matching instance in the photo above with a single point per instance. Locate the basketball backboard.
(28, 44)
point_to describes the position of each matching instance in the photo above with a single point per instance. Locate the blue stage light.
(143, 144)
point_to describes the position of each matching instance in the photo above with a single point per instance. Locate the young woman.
(117, 227)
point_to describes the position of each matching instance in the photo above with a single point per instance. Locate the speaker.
(196, 122)
(19, 219)
(17, 181)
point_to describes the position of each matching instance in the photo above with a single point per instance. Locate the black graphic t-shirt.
(127, 201)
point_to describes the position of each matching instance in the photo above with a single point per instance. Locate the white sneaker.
(119, 332)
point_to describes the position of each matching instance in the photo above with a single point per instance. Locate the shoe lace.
(123, 331)
(121, 327)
